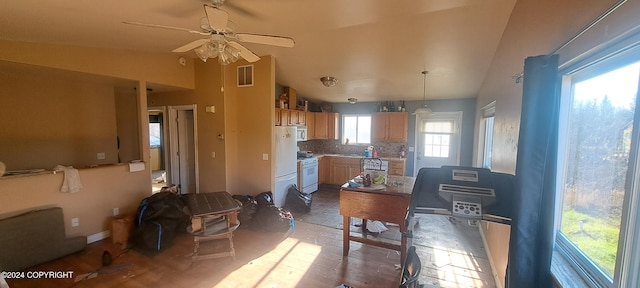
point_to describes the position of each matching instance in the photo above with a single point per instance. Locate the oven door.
(308, 177)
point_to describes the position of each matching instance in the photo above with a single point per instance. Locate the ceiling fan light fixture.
(424, 110)
(328, 81)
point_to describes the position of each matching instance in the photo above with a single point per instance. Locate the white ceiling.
(376, 48)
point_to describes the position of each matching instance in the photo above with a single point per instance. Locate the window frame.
(342, 134)
(628, 254)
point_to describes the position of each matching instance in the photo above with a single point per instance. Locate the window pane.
(598, 144)
(364, 129)
(356, 129)
(154, 135)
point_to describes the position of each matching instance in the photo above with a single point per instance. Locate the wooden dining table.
(383, 202)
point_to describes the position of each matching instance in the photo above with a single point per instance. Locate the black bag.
(158, 219)
(297, 201)
(249, 208)
(264, 199)
(273, 219)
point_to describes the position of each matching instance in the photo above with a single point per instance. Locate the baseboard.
(486, 249)
(98, 236)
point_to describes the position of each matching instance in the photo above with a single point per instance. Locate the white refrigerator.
(286, 165)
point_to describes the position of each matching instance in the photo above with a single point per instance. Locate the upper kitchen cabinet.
(291, 95)
(389, 126)
(311, 125)
(326, 125)
(278, 117)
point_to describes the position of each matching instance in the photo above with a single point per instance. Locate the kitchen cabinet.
(326, 125)
(291, 97)
(277, 120)
(285, 117)
(396, 166)
(297, 117)
(324, 169)
(389, 126)
(311, 125)
(343, 169)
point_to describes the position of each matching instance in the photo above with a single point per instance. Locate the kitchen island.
(387, 203)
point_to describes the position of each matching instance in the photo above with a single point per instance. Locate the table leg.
(364, 226)
(346, 226)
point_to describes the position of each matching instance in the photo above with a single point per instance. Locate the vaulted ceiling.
(375, 48)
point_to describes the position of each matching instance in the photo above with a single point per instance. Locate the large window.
(596, 146)
(356, 129)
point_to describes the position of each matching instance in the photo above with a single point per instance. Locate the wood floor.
(311, 256)
(451, 252)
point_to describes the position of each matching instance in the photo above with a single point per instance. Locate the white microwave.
(301, 133)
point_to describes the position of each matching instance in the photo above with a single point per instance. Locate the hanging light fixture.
(226, 54)
(424, 110)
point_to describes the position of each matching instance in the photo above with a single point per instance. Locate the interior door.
(183, 148)
(438, 140)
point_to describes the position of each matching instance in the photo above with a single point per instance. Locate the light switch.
(411, 149)
(210, 109)
(101, 156)
(213, 154)
(265, 156)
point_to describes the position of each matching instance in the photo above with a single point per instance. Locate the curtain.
(532, 226)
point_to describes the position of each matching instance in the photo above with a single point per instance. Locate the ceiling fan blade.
(191, 45)
(217, 18)
(167, 27)
(241, 10)
(266, 39)
(244, 52)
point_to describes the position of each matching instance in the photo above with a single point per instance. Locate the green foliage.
(598, 237)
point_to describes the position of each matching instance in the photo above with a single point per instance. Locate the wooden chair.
(411, 270)
(216, 227)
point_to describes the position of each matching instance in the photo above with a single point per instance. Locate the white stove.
(308, 174)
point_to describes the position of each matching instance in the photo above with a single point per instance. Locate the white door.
(438, 140)
(183, 148)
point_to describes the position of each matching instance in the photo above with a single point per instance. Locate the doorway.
(438, 140)
(173, 145)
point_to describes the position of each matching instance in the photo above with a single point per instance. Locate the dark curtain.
(532, 226)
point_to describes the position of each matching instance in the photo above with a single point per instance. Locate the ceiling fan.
(222, 41)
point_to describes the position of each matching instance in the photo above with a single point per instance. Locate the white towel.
(71, 182)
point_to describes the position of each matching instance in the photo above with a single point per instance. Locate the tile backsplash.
(335, 147)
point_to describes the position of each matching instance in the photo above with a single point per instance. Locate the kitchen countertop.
(357, 156)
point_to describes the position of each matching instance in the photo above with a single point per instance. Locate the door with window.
(438, 140)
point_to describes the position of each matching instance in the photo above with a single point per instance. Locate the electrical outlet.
(213, 154)
(101, 156)
(116, 211)
(265, 156)
(75, 222)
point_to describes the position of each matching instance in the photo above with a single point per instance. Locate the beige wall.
(82, 92)
(249, 127)
(210, 125)
(54, 118)
(535, 28)
(105, 188)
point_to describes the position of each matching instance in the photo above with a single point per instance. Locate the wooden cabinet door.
(321, 125)
(302, 118)
(333, 126)
(324, 171)
(277, 118)
(293, 117)
(285, 117)
(311, 125)
(389, 126)
(397, 167)
(397, 126)
(379, 126)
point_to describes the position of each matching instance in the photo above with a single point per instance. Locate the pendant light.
(424, 110)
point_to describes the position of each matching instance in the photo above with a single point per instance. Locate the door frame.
(174, 174)
(454, 115)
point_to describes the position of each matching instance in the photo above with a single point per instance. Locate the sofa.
(34, 238)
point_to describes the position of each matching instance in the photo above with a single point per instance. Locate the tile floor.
(451, 250)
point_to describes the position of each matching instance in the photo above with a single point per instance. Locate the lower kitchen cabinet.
(343, 169)
(396, 167)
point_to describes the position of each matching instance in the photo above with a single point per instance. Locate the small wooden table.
(387, 203)
(218, 215)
